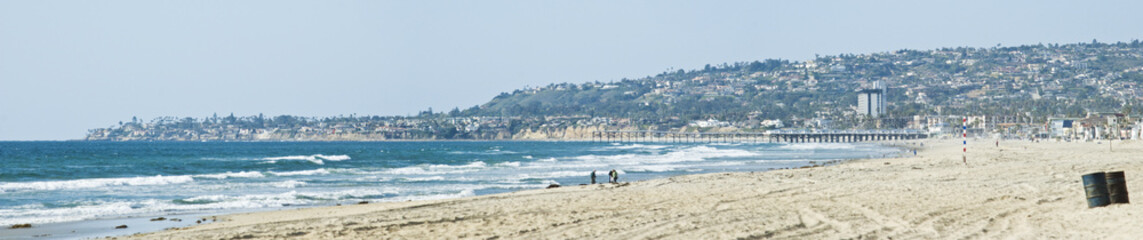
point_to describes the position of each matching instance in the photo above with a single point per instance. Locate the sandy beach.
(1019, 190)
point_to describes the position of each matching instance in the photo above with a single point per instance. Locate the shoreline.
(103, 227)
(1017, 190)
(293, 214)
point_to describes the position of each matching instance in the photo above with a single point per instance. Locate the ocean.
(57, 182)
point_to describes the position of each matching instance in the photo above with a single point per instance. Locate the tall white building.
(871, 102)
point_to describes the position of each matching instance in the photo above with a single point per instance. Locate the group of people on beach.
(612, 176)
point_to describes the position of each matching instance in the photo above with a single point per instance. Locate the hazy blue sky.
(69, 66)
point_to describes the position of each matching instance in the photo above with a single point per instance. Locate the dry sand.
(1019, 190)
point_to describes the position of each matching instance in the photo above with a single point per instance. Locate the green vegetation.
(1026, 82)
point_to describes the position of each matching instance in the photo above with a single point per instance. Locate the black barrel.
(1116, 187)
(1095, 185)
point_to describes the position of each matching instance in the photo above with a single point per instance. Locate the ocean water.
(56, 182)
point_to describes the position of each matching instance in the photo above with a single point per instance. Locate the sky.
(70, 66)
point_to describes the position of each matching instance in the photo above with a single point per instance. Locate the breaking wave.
(226, 175)
(817, 146)
(93, 183)
(316, 158)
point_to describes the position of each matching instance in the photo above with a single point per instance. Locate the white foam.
(815, 146)
(436, 169)
(476, 164)
(556, 174)
(380, 184)
(320, 171)
(725, 144)
(462, 193)
(654, 168)
(243, 174)
(288, 184)
(39, 214)
(681, 167)
(407, 171)
(508, 164)
(637, 146)
(316, 158)
(424, 179)
(334, 157)
(94, 183)
(101, 209)
(692, 154)
(351, 194)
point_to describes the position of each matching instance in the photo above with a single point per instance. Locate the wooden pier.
(773, 136)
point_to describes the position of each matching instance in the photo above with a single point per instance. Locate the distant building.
(871, 101)
(775, 123)
(1062, 127)
(709, 123)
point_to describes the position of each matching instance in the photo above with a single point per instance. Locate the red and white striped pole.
(964, 138)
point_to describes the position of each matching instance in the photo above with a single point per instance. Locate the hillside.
(1040, 80)
(1024, 84)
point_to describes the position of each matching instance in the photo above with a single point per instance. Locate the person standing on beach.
(616, 176)
(611, 176)
(593, 176)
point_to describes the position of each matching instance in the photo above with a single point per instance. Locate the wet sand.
(1017, 190)
(93, 229)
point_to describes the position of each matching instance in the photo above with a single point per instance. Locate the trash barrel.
(1095, 186)
(1116, 187)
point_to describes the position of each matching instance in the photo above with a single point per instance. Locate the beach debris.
(553, 186)
(1095, 187)
(198, 221)
(26, 225)
(1116, 187)
(176, 220)
(121, 227)
(363, 202)
(295, 234)
(158, 219)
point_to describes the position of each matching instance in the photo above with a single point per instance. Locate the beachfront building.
(1136, 131)
(1062, 127)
